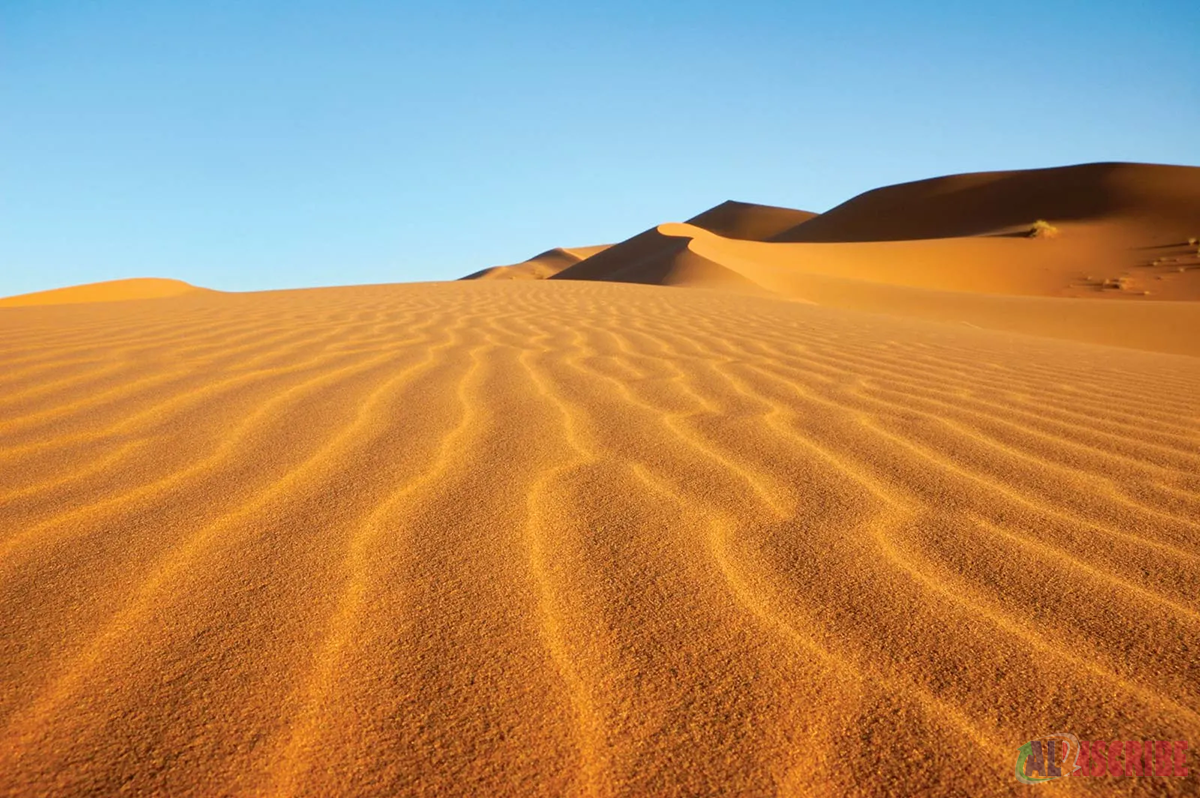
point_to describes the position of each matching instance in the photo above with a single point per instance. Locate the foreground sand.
(526, 538)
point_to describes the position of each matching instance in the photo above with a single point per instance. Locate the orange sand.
(827, 530)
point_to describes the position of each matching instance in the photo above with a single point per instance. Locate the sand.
(566, 537)
(584, 537)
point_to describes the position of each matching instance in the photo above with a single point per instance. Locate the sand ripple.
(580, 538)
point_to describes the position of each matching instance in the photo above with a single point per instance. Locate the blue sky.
(251, 145)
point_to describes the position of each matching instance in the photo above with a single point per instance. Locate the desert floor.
(554, 537)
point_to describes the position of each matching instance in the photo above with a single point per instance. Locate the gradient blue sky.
(249, 145)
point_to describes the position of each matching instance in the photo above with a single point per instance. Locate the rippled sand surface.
(520, 538)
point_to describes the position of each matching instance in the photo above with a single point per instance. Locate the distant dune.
(654, 258)
(539, 267)
(968, 249)
(740, 220)
(110, 291)
(789, 517)
(1113, 231)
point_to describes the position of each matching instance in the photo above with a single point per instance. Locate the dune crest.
(658, 257)
(108, 291)
(748, 221)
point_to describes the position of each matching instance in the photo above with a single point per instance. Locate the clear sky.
(246, 144)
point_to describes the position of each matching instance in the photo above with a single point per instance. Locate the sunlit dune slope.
(582, 538)
(110, 291)
(539, 267)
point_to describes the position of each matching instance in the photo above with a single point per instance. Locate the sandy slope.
(110, 291)
(566, 537)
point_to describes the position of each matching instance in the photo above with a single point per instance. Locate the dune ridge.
(585, 538)
(748, 221)
(740, 220)
(1162, 198)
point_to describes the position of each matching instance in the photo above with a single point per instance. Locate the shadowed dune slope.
(110, 291)
(656, 258)
(749, 222)
(582, 538)
(739, 220)
(539, 267)
(1162, 201)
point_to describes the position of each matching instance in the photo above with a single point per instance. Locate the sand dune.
(1116, 231)
(1162, 200)
(539, 267)
(960, 249)
(651, 258)
(657, 258)
(110, 291)
(583, 538)
(749, 222)
(995, 283)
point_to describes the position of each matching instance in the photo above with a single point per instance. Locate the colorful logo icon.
(1050, 757)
